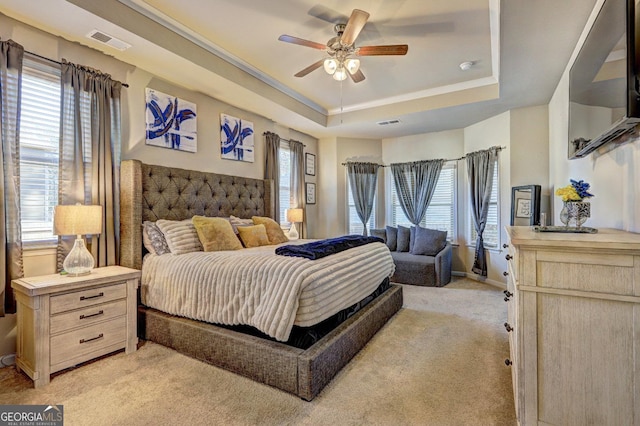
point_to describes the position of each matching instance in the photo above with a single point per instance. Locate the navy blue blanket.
(319, 249)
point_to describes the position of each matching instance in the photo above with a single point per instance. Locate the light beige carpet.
(439, 361)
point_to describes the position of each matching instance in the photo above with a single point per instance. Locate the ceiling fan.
(342, 51)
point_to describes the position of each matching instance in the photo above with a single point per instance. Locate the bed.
(151, 193)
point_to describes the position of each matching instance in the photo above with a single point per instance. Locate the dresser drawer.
(84, 298)
(87, 316)
(80, 344)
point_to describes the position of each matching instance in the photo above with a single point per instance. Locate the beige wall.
(335, 151)
(613, 175)
(133, 131)
(429, 146)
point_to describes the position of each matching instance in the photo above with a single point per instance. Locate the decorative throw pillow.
(404, 238)
(428, 242)
(216, 233)
(236, 221)
(274, 232)
(181, 235)
(380, 233)
(253, 236)
(153, 239)
(391, 237)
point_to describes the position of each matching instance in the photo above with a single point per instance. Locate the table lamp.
(293, 216)
(78, 220)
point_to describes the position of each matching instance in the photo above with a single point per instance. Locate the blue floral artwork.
(236, 138)
(170, 122)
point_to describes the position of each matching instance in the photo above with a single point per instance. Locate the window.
(491, 235)
(285, 182)
(39, 145)
(355, 224)
(441, 211)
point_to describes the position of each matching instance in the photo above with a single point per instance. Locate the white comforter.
(256, 287)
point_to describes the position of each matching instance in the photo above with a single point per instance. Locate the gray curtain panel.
(480, 167)
(11, 55)
(297, 175)
(272, 170)
(363, 178)
(415, 184)
(90, 141)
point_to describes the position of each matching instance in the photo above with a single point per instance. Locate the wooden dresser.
(63, 320)
(574, 324)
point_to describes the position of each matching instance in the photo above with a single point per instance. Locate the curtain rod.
(452, 159)
(286, 140)
(58, 62)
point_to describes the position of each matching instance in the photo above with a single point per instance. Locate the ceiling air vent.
(385, 123)
(108, 40)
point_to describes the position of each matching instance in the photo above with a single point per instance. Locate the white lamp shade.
(353, 65)
(330, 65)
(294, 215)
(77, 220)
(340, 74)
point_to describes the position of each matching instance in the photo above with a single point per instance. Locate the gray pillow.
(380, 233)
(153, 239)
(428, 242)
(404, 238)
(392, 237)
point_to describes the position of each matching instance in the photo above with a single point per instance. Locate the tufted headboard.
(157, 192)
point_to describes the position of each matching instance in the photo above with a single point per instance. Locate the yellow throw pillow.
(253, 236)
(274, 232)
(216, 233)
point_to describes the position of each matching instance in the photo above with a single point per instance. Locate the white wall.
(613, 175)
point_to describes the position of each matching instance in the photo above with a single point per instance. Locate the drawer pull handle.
(508, 257)
(508, 327)
(508, 293)
(505, 245)
(99, 336)
(95, 296)
(100, 312)
(508, 362)
(505, 273)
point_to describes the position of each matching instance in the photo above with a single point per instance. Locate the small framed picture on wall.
(311, 192)
(309, 164)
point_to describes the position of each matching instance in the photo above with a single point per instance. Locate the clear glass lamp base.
(293, 232)
(79, 261)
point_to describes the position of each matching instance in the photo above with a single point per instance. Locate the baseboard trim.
(479, 278)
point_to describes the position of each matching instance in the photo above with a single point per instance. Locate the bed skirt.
(303, 372)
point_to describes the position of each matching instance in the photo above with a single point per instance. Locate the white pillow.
(181, 236)
(236, 221)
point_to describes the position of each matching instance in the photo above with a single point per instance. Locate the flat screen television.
(604, 98)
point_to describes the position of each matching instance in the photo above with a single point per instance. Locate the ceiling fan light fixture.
(353, 65)
(330, 65)
(340, 74)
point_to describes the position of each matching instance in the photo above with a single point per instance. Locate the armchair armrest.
(443, 265)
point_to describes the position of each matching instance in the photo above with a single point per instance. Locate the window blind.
(39, 145)
(284, 194)
(440, 214)
(355, 224)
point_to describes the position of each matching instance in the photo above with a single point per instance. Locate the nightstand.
(63, 320)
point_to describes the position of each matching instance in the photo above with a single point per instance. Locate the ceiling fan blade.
(302, 42)
(357, 76)
(390, 49)
(310, 68)
(355, 24)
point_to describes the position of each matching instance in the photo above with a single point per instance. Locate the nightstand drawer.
(82, 343)
(81, 299)
(87, 316)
